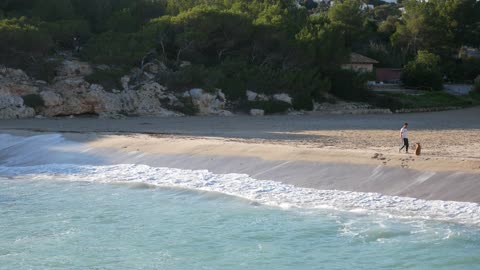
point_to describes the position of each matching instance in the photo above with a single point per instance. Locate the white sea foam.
(51, 156)
(266, 192)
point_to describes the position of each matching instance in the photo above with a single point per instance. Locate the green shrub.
(395, 101)
(52, 10)
(470, 68)
(239, 76)
(461, 70)
(188, 107)
(193, 76)
(270, 107)
(385, 101)
(34, 101)
(475, 96)
(117, 48)
(423, 72)
(349, 85)
(24, 45)
(123, 21)
(321, 87)
(41, 69)
(109, 79)
(233, 83)
(20, 35)
(64, 31)
(302, 102)
(476, 84)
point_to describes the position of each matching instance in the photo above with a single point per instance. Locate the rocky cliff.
(70, 94)
(138, 94)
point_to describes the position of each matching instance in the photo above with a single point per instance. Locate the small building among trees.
(388, 75)
(360, 63)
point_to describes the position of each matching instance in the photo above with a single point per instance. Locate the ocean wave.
(267, 192)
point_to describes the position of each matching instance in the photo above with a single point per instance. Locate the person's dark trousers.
(405, 145)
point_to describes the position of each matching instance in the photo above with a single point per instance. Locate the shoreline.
(296, 165)
(351, 153)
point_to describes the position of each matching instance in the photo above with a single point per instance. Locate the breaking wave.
(45, 158)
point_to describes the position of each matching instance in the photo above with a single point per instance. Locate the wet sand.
(345, 152)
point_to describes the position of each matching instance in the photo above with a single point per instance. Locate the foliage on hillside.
(237, 45)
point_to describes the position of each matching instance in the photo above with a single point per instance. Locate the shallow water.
(63, 206)
(55, 224)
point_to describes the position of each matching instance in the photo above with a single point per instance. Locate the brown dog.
(418, 149)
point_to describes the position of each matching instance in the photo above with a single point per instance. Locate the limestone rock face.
(155, 67)
(70, 94)
(51, 98)
(104, 103)
(147, 100)
(73, 68)
(16, 75)
(253, 96)
(208, 103)
(15, 82)
(283, 97)
(12, 107)
(125, 80)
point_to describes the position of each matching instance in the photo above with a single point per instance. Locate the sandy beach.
(274, 147)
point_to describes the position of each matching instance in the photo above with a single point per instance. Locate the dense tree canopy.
(264, 45)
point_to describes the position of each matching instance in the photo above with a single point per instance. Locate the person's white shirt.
(404, 133)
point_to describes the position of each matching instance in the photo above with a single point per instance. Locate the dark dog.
(418, 149)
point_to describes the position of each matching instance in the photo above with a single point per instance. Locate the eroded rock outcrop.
(208, 103)
(70, 94)
(73, 68)
(148, 100)
(254, 96)
(13, 107)
(15, 82)
(283, 97)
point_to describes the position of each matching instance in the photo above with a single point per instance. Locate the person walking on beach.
(404, 137)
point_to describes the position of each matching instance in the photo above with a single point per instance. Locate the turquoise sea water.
(64, 205)
(49, 223)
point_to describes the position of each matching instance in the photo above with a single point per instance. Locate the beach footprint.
(404, 163)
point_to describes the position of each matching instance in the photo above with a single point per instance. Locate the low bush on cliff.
(33, 101)
(109, 79)
(192, 76)
(126, 49)
(22, 42)
(303, 102)
(23, 36)
(270, 107)
(44, 69)
(64, 31)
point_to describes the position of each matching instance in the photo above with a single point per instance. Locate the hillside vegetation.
(268, 46)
